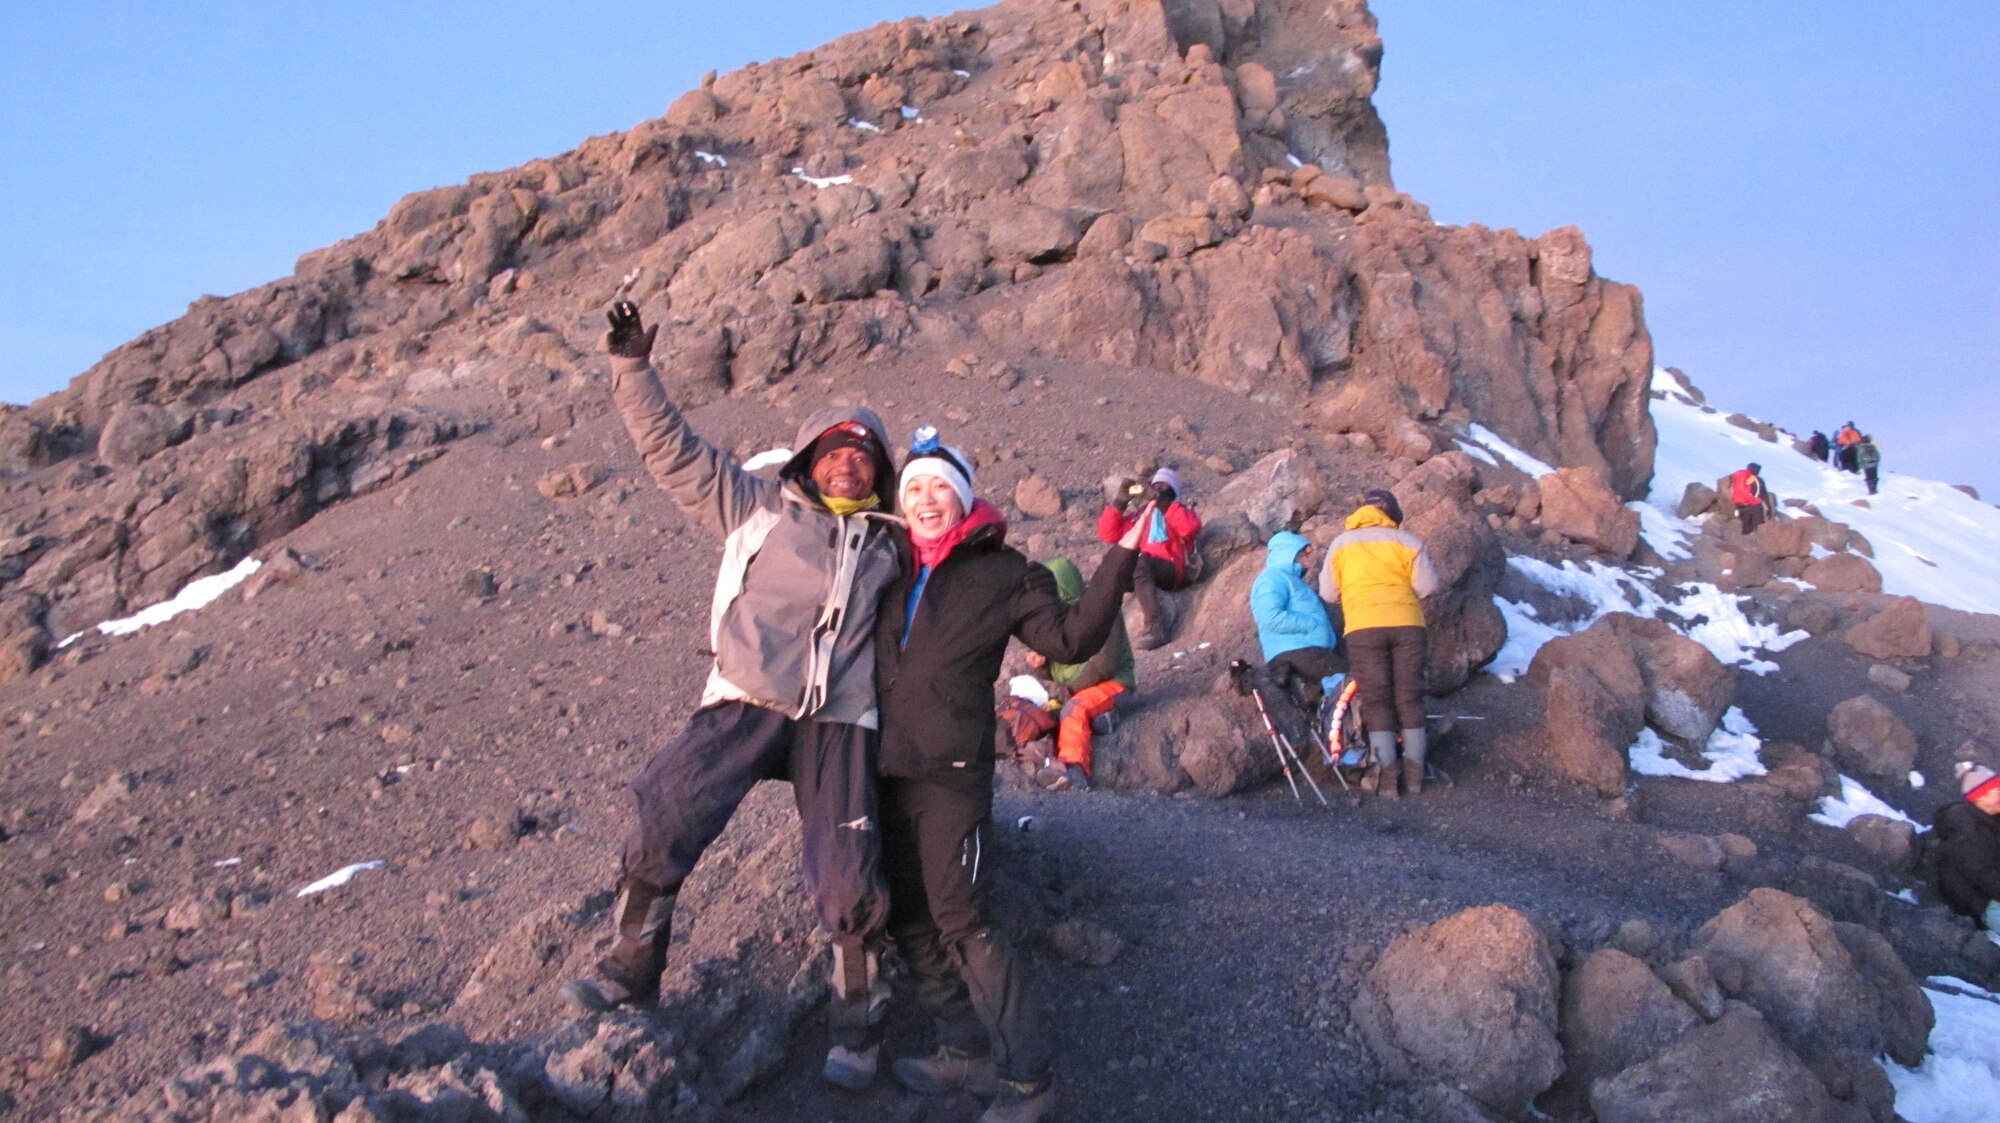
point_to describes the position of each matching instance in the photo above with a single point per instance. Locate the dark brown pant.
(692, 786)
(1150, 579)
(937, 852)
(1299, 671)
(1750, 517)
(1388, 663)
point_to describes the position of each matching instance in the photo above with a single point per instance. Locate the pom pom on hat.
(1976, 780)
(929, 458)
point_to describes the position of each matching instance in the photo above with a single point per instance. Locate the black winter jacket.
(937, 690)
(1968, 857)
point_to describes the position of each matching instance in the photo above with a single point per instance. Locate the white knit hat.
(942, 462)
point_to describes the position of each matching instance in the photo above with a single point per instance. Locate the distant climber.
(1379, 574)
(1292, 625)
(1752, 499)
(1968, 846)
(1845, 443)
(1817, 446)
(1168, 559)
(1869, 458)
(791, 693)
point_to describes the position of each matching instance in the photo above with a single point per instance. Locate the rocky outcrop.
(1579, 504)
(1113, 187)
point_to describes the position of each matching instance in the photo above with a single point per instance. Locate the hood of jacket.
(1069, 579)
(1282, 551)
(798, 469)
(1368, 515)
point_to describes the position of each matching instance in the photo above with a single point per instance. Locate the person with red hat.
(806, 562)
(1968, 846)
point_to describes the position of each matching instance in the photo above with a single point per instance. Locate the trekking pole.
(1286, 754)
(1277, 743)
(1303, 770)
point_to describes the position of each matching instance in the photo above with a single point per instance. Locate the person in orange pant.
(1097, 688)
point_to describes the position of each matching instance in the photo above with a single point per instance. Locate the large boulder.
(1824, 985)
(1279, 491)
(1615, 1014)
(1469, 1001)
(1843, 573)
(1594, 705)
(1735, 1071)
(1866, 736)
(1579, 504)
(1465, 627)
(1687, 688)
(1899, 631)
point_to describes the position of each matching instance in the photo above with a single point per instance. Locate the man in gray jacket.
(791, 694)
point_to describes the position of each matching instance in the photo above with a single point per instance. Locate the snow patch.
(963, 73)
(1959, 1079)
(769, 458)
(1514, 456)
(1478, 453)
(198, 593)
(1296, 162)
(1030, 688)
(1854, 801)
(1525, 636)
(1731, 752)
(912, 113)
(864, 126)
(1916, 778)
(1664, 533)
(711, 158)
(338, 878)
(822, 180)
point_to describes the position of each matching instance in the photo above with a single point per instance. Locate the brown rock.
(571, 482)
(1696, 499)
(1085, 943)
(1469, 1001)
(1889, 678)
(1843, 573)
(1734, 1071)
(1891, 841)
(1820, 983)
(1579, 504)
(1695, 851)
(135, 431)
(1037, 498)
(1868, 738)
(1899, 631)
(1615, 1014)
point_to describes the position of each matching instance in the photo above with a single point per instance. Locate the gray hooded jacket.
(794, 632)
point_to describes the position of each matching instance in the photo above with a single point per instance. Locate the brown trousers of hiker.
(1388, 663)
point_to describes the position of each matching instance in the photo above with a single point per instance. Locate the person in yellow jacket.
(1379, 573)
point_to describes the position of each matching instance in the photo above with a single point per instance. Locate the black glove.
(629, 337)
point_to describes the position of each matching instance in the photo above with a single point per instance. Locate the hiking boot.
(1371, 778)
(1077, 780)
(1416, 746)
(946, 1071)
(629, 974)
(1021, 1102)
(852, 1069)
(1385, 788)
(1052, 776)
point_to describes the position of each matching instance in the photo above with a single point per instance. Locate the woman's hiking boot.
(1384, 745)
(1022, 1102)
(948, 1070)
(1415, 748)
(629, 974)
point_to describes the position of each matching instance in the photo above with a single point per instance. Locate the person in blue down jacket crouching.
(1292, 625)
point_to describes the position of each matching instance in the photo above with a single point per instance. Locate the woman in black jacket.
(967, 592)
(1967, 833)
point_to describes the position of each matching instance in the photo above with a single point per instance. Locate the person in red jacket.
(1751, 497)
(1168, 560)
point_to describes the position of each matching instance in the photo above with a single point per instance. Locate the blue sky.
(1806, 193)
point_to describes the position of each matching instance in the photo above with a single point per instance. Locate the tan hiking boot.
(1020, 1102)
(948, 1070)
(629, 974)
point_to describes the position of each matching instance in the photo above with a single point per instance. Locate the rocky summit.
(326, 848)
